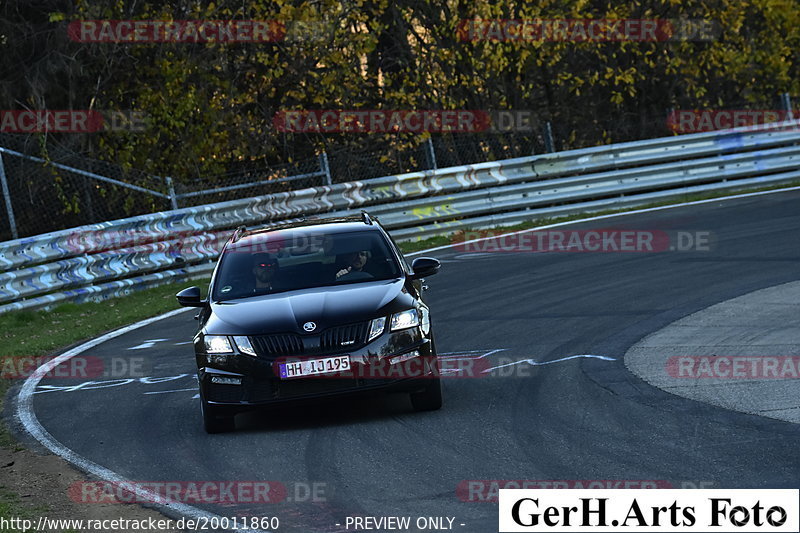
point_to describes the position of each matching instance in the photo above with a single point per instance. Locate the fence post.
(787, 105)
(325, 167)
(173, 198)
(7, 197)
(672, 125)
(431, 155)
(549, 145)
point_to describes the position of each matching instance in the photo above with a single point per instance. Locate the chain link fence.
(253, 179)
(53, 188)
(48, 188)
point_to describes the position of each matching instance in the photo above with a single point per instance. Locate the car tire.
(213, 421)
(429, 398)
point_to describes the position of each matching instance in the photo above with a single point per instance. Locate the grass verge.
(11, 507)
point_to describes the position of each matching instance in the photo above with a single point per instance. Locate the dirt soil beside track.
(42, 483)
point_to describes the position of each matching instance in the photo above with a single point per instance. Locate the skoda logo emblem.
(309, 326)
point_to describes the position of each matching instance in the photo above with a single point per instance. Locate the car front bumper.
(371, 371)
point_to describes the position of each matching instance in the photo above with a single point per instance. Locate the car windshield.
(295, 259)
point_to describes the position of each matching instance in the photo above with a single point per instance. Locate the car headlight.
(217, 344)
(405, 319)
(376, 327)
(243, 343)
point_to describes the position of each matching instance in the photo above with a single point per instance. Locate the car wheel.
(430, 397)
(213, 421)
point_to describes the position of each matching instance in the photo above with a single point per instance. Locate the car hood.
(325, 306)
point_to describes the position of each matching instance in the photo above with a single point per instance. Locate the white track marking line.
(110, 383)
(27, 418)
(193, 389)
(462, 356)
(469, 354)
(533, 362)
(147, 344)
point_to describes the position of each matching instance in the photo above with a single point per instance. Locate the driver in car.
(265, 266)
(355, 262)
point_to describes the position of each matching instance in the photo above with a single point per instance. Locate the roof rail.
(366, 218)
(239, 233)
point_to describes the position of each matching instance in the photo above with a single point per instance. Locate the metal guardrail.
(112, 258)
(500, 199)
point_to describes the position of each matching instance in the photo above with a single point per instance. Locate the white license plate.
(314, 367)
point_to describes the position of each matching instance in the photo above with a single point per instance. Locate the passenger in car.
(355, 263)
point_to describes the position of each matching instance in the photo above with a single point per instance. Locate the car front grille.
(337, 338)
(303, 387)
(282, 344)
(263, 391)
(346, 337)
(274, 389)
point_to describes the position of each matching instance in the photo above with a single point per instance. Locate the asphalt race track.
(579, 419)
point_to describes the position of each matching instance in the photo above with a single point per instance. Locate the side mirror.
(424, 266)
(190, 298)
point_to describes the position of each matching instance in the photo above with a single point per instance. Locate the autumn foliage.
(210, 103)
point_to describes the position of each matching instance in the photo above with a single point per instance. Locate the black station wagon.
(308, 310)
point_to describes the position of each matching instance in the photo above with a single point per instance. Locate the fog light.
(404, 357)
(222, 380)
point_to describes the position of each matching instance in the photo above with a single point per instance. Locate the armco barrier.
(113, 258)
